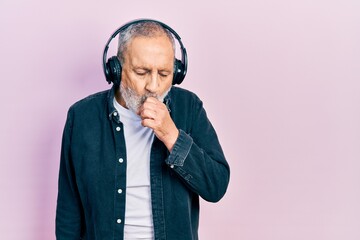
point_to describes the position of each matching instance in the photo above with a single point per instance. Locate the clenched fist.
(155, 115)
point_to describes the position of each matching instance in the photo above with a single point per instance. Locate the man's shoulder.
(181, 93)
(183, 102)
(91, 101)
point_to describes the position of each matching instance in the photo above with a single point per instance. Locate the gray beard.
(134, 101)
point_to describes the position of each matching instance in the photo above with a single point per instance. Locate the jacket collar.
(112, 113)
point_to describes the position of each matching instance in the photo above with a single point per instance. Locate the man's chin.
(134, 101)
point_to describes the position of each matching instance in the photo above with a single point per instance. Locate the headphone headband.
(112, 69)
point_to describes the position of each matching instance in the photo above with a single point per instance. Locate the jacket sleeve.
(69, 214)
(198, 159)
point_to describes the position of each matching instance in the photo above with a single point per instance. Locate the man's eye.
(164, 74)
(141, 73)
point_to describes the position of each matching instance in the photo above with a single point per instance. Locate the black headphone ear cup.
(113, 70)
(179, 73)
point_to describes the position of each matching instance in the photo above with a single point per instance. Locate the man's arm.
(197, 156)
(69, 212)
(198, 159)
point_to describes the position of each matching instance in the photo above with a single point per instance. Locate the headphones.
(112, 67)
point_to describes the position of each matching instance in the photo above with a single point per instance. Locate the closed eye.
(164, 73)
(141, 72)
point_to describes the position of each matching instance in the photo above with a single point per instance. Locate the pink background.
(280, 81)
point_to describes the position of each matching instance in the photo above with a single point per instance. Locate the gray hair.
(141, 29)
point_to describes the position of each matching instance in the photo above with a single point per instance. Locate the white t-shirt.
(138, 211)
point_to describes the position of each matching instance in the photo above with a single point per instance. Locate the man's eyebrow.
(149, 69)
(141, 68)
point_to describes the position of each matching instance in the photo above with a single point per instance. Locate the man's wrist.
(171, 140)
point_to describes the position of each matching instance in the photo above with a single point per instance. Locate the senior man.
(136, 158)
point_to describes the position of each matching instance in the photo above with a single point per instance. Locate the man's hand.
(155, 115)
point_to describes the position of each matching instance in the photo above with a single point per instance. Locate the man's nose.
(152, 84)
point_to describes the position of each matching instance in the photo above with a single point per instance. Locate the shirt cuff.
(180, 150)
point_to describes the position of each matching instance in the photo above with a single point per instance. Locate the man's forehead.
(147, 50)
(137, 63)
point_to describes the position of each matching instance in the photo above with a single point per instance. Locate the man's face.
(148, 67)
